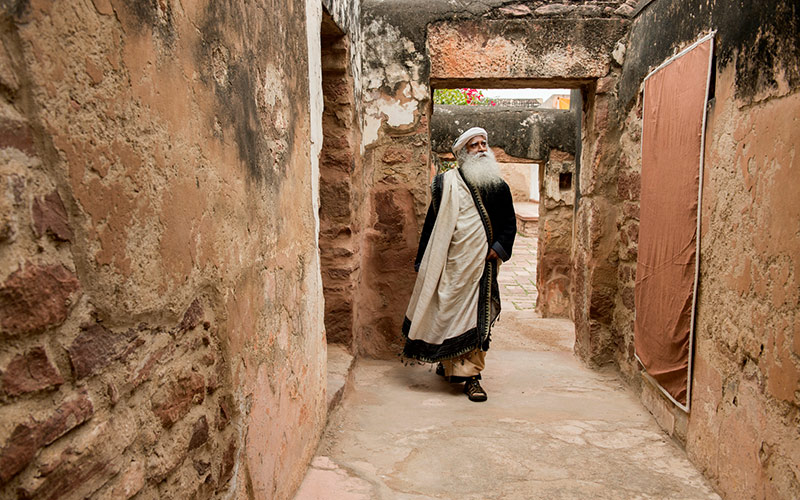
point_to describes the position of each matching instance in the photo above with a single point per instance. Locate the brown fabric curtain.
(674, 108)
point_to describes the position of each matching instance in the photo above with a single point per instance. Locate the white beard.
(480, 169)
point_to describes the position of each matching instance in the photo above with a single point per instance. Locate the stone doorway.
(536, 146)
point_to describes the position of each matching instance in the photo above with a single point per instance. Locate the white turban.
(466, 136)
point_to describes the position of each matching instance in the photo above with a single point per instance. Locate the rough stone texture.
(158, 227)
(96, 347)
(551, 50)
(36, 297)
(50, 217)
(30, 371)
(28, 437)
(341, 192)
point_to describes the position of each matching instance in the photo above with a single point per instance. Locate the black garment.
(499, 205)
(496, 209)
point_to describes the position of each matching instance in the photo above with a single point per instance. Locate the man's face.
(477, 145)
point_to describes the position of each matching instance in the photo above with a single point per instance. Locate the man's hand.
(492, 255)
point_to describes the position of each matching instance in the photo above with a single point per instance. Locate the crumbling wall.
(160, 299)
(341, 189)
(742, 425)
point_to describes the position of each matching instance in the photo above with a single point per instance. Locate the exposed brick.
(174, 401)
(96, 347)
(228, 461)
(192, 316)
(16, 134)
(199, 433)
(30, 371)
(50, 217)
(35, 298)
(629, 186)
(27, 438)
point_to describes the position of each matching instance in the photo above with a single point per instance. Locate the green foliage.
(461, 97)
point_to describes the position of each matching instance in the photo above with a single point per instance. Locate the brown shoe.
(474, 391)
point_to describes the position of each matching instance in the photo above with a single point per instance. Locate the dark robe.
(496, 209)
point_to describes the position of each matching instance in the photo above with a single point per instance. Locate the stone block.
(50, 217)
(199, 433)
(192, 316)
(96, 347)
(228, 461)
(172, 402)
(629, 186)
(27, 438)
(16, 134)
(35, 298)
(131, 482)
(29, 372)
(554, 10)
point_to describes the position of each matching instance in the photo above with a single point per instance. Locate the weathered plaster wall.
(745, 408)
(160, 299)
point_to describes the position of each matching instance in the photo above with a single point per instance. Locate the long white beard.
(480, 169)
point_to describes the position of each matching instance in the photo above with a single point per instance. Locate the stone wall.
(554, 249)
(522, 133)
(341, 188)
(742, 426)
(161, 326)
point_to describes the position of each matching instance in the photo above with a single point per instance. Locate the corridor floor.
(551, 429)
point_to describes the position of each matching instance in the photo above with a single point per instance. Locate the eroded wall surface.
(160, 300)
(745, 406)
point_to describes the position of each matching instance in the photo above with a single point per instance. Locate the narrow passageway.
(551, 429)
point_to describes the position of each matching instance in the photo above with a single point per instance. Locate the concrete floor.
(551, 429)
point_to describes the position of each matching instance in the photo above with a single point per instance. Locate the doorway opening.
(533, 133)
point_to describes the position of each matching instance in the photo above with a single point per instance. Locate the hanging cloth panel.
(675, 97)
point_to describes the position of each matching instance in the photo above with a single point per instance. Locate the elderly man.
(469, 228)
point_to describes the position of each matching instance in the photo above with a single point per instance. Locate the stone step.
(340, 369)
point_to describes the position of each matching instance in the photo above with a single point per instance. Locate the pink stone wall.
(160, 299)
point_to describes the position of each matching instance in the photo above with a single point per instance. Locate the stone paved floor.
(551, 429)
(517, 277)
